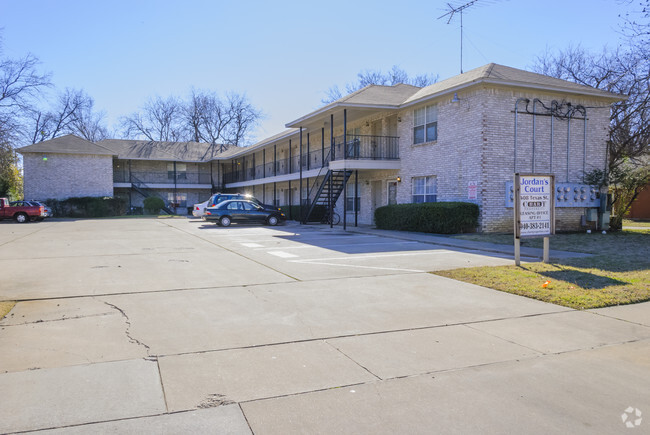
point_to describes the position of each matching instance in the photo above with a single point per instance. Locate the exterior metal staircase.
(325, 195)
(140, 187)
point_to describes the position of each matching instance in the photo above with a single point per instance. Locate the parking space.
(125, 324)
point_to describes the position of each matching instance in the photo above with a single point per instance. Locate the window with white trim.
(352, 203)
(425, 189)
(180, 200)
(425, 124)
(181, 171)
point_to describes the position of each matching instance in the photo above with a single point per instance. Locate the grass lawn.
(5, 307)
(635, 223)
(617, 273)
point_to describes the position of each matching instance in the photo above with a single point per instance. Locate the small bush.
(431, 217)
(153, 204)
(88, 206)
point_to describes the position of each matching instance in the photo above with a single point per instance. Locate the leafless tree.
(375, 77)
(206, 117)
(243, 118)
(625, 71)
(160, 120)
(20, 86)
(65, 117)
(90, 125)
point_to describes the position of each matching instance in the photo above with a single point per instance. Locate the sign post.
(534, 210)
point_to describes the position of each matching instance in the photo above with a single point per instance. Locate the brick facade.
(64, 176)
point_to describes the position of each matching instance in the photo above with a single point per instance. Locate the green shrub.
(88, 206)
(153, 204)
(430, 217)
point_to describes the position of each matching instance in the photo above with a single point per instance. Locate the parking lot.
(178, 326)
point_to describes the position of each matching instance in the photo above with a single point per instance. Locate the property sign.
(534, 205)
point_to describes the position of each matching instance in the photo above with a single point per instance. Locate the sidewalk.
(436, 239)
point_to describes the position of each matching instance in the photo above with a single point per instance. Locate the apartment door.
(392, 192)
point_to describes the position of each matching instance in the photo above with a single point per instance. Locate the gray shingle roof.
(504, 75)
(148, 150)
(68, 144)
(370, 96)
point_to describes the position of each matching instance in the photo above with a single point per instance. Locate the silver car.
(199, 209)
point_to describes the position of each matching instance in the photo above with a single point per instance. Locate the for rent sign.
(534, 205)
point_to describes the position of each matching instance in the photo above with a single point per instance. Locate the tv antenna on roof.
(452, 11)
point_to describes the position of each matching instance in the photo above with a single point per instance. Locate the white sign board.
(472, 190)
(534, 205)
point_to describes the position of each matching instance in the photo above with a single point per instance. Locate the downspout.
(345, 171)
(584, 144)
(356, 194)
(516, 111)
(568, 142)
(300, 185)
(551, 150)
(332, 145)
(175, 185)
(534, 116)
(322, 147)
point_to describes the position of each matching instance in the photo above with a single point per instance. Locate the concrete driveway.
(178, 326)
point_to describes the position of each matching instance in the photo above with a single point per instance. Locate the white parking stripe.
(358, 266)
(282, 254)
(252, 245)
(364, 257)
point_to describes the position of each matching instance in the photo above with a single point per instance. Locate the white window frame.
(425, 118)
(424, 189)
(350, 200)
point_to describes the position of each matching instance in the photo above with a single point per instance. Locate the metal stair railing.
(144, 190)
(334, 180)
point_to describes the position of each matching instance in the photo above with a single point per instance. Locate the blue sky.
(283, 55)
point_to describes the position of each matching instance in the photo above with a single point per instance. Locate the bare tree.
(61, 119)
(20, 86)
(625, 71)
(243, 118)
(90, 125)
(376, 77)
(206, 117)
(160, 120)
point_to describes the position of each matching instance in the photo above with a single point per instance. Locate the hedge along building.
(461, 139)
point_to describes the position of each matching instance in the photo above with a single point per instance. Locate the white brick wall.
(64, 176)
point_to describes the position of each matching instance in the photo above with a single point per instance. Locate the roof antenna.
(452, 11)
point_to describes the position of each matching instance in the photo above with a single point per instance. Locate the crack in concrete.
(128, 328)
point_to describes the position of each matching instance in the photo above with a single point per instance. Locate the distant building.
(457, 140)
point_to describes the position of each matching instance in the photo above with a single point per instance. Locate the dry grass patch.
(618, 273)
(5, 307)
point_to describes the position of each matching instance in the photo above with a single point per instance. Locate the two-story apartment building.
(461, 139)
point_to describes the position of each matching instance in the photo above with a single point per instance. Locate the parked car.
(21, 213)
(199, 209)
(48, 210)
(219, 197)
(244, 211)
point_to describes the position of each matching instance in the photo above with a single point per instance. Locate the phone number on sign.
(535, 225)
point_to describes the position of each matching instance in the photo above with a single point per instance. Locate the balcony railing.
(358, 147)
(166, 177)
(367, 147)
